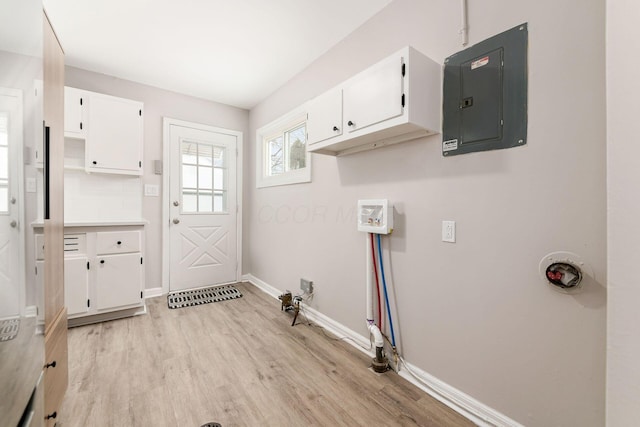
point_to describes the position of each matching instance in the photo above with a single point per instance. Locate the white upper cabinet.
(103, 133)
(375, 96)
(326, 111)
(74, 110)
(396, 100)
(114, 135)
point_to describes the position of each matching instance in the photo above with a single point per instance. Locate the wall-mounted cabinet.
(102, 133)
(74, 112)
(114, 135)
(396, 100)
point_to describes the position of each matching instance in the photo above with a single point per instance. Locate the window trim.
(269, 131)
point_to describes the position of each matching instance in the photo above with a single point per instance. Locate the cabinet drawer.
(117, 242)
(56, 378)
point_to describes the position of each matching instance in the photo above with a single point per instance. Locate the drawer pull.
(119, 242)
(54, 415)
(50, 365)
(101, 261)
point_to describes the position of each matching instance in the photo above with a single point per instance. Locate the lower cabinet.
(76, 285)
(103, 272)
(118, 281)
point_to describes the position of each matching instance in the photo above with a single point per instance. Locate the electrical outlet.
(306, 286)
(449, 231)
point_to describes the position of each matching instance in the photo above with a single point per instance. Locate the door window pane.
(189, 177)
(218, 179)
(189, 202)
(218, 157)
(205, 180)
(199, 177)
(205, 155)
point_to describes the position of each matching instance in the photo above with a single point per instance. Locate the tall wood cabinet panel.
(56, 368)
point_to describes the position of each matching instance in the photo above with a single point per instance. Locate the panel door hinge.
(80, 125)
(80, 101)
(140, 163)
(141, 295)
(87, 265)
(403, 100)
(140, 260)
(88, 303)
(36, 268)
(404, 69)
(140, 113)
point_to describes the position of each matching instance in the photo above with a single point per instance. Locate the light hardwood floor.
(238, 363)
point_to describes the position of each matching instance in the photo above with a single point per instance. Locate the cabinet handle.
(335, 129)
(50, 365)
(101, 261)
(350, 123)
(54, 415)
(119, 242)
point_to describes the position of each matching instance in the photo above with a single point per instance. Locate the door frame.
(19, 151)
(167, 122)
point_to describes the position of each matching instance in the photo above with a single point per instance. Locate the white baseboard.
(153, 292)
(474, 410)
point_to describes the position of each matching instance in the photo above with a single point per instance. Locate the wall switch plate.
(306, 286)
(449, 231)
(151, 190)
(31, 185)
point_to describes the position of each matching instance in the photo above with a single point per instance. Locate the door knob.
(176, 221)
(13, 224)
(350, 123)
(176, 203)
(335, 129)
(13, 200)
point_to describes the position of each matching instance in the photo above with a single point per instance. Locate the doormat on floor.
(202, 296)
(9, 329)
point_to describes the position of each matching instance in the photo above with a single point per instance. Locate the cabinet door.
(114, 141)
(375, 95)
(324, 119)
(76, 285)
(73, 108)
(118, 281)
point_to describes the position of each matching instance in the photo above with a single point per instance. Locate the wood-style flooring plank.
(238, 363)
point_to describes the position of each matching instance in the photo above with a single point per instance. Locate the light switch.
(30, 185)
(151, 190)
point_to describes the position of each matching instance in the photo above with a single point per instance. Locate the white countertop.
(109, 223)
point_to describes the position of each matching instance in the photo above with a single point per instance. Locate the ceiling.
(236, 52)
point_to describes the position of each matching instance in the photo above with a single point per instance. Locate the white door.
(203, 207)
(10, 199)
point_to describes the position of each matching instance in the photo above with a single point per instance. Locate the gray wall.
(158, 103)
(623, 175)
(475, 314)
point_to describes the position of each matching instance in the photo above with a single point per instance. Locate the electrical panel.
(375, 216)
(485, 95)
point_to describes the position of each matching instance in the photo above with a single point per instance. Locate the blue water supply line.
(386, 296)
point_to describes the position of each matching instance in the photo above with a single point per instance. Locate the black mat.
(202, 296)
